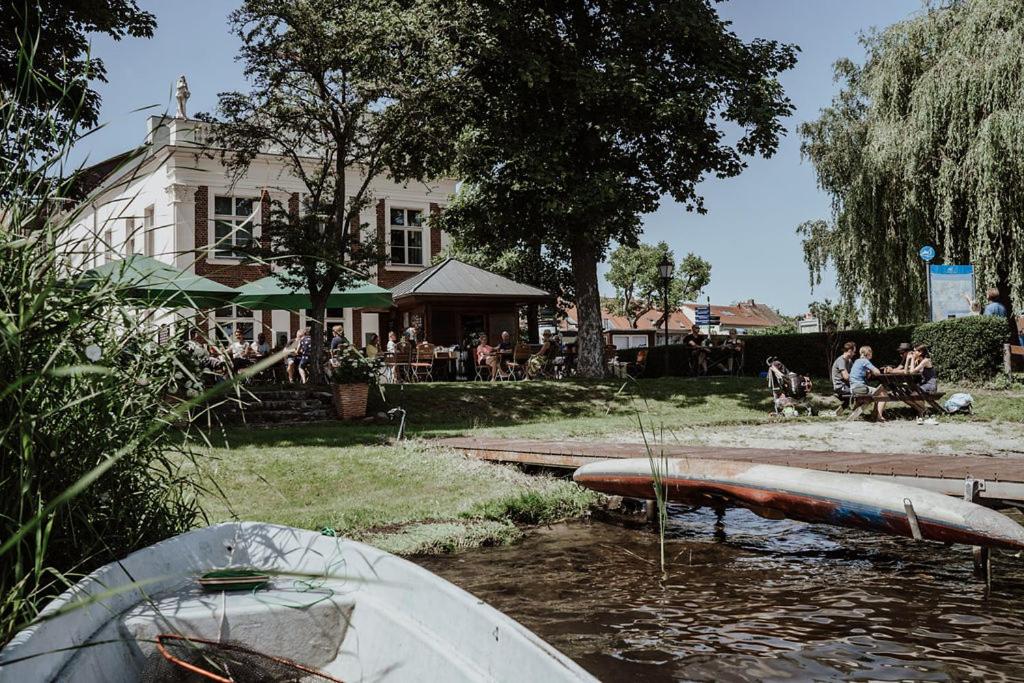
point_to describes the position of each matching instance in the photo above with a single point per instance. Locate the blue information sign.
(927, 253)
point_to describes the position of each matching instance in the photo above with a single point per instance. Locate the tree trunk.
(589, 341)
(317, 333)
(532, 324)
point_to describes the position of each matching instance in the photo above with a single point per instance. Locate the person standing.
(994, 306)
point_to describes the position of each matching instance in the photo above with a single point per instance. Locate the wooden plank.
(930, 469)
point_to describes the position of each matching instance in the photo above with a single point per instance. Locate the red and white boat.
(848, 500)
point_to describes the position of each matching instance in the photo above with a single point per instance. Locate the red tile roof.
(744, 314)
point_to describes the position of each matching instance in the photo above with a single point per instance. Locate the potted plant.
(351, 374)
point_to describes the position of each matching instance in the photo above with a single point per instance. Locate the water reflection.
(762, 601)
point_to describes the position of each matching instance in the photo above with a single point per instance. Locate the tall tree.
(635, 275)
(338, 90)
(917, 148)
(575, 118)
(46, 71)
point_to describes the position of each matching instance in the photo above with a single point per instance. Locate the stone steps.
(277, 406)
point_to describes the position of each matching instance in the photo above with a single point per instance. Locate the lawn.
(416, 497)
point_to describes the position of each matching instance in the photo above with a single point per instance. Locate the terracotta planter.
(350, 400)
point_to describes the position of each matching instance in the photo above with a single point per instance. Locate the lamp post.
(665, 269)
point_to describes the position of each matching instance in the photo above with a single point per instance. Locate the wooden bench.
(1009, 351)
(859, 401)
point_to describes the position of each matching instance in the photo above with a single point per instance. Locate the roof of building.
(452, 277)
(743, 314)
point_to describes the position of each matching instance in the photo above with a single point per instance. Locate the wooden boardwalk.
(1001, 478)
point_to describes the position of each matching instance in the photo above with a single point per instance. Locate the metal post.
(665, 284)
(928, 286)
(982, 557)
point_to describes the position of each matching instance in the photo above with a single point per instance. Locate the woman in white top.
(261, 347)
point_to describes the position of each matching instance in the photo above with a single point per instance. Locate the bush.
(965, 348)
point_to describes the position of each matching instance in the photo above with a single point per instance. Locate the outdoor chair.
(520, 355)
(423, 365)
(403, 362)
(482, 370)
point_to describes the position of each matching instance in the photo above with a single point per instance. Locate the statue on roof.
(182, 93)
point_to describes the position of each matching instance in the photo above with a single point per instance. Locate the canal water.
(754, 600)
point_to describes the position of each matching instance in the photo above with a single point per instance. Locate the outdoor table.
(444, 361)
(900, 385)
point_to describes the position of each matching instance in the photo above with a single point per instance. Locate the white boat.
(849, 500)
(336, 606)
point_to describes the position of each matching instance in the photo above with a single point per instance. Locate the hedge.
(961, 348)
(965, 348)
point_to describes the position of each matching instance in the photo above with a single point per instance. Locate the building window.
(233, 220)
(407, 237)
(148, 245)
(334, 316)
(230, 318)
(108, 245)
(129, 236)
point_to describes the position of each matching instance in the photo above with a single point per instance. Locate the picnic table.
(898, 385)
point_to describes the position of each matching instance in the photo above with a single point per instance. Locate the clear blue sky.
(748, 234)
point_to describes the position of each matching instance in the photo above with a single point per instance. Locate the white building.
(176, 203)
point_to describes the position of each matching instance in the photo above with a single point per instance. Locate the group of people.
(701, 349)
(498, 357)
(853, 369)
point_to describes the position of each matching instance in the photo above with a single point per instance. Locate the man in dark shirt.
(698, 352)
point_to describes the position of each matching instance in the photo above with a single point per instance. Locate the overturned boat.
(848, 500)
(299, 605)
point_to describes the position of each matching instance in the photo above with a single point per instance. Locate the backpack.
(959, 403)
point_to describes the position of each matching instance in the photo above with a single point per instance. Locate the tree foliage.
(840, 315)
(920, 146)
(575, 118)
(636, 278)
(338, 90)
(46, 70)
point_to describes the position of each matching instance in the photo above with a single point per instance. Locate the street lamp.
(665, 269)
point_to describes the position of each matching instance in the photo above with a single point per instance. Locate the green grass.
(416, 497)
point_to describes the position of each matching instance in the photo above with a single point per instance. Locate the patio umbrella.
(151, 282)
(273, 293)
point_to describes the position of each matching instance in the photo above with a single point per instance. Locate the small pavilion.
(452, 300)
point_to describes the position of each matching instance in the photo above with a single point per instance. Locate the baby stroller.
(789, 390)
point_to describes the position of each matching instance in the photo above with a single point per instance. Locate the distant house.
(743, 317)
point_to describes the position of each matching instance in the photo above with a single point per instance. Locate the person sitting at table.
(538, 362)
(841, 371)
(373, 346)
(392, 346)
(299, 357)
(485, 356)
(261, 347)
(698, 353)
(734, 345)
(240, 351)
(920, 361)
(505, 345)
(904, 350)
(338, 341)
(862, 370)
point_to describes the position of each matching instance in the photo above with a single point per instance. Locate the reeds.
(95, 457)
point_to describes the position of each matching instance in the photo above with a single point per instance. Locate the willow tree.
(922, 145)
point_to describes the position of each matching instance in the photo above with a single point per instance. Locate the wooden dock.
(997, 478)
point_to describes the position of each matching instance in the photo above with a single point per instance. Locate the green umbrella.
(148, 281)
(273, 293)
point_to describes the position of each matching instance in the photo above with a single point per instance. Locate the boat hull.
(846, 500)
(350, 610)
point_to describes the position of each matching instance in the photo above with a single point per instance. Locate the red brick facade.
(435, 232)
(232, 275)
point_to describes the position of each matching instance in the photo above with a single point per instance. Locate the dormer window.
(407, 237)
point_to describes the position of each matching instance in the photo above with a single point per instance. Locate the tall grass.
(94, 453)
